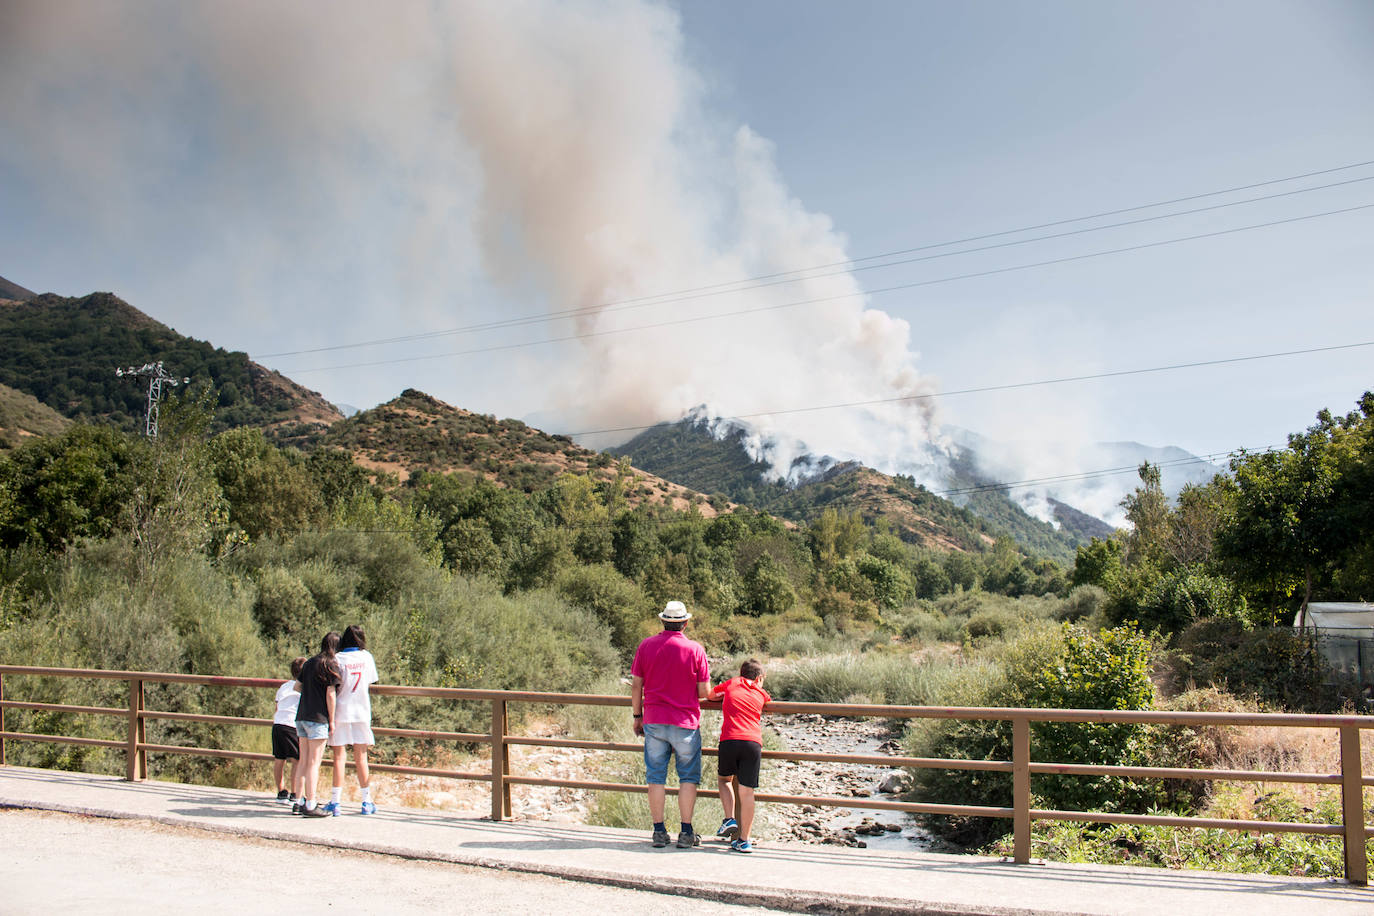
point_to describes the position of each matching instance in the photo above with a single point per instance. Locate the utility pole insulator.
(158, 378)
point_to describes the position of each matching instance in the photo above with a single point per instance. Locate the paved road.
(65, 863)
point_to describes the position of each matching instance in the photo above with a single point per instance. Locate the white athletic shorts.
(346, 733)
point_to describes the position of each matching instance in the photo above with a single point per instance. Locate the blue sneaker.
(729, 829)
(369, 808)
(331, 808)
(741, 846)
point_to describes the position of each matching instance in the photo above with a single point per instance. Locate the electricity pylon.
(157, 378)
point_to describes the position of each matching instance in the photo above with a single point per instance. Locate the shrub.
(1274, 666)
(284, 608)
(616, 601)
(1187, 595)
(1064, 668)
(895, 679)
(1083, 603)
(921, 624)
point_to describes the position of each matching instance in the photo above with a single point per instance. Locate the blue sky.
(283, 179)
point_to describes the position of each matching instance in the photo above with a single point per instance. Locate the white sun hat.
(674, 612)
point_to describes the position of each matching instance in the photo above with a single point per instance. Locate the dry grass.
(1265, 748)
(1288, 750)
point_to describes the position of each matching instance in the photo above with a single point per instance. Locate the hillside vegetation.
(64, 352)
(416, 433)
(23, 416)
(686, 452)
(224, 553)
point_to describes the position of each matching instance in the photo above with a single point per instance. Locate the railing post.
(1020, 789)
(2, 720)
(500, 762)
(136, 758)
(1352, 806)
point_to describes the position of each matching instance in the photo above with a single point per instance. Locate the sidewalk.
(791, 877)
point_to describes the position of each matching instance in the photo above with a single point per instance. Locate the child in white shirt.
(353, 716)
(285, 745)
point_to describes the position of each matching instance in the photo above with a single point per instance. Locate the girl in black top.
(315, 715)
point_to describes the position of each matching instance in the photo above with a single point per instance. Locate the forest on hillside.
(687, 452)
(64, 352)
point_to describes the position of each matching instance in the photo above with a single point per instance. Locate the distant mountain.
(686, 452)
(14, 291)
(1089, 479)
(64, 352)
(416, 432)
(22, 416)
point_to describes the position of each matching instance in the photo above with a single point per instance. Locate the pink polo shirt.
(672, 666)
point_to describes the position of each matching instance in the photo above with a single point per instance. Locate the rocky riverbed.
(856, 827)
(861, 827)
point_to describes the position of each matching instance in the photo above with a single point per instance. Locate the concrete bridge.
(784, 877)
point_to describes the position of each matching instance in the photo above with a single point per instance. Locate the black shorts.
(285, 744)
(740, 759)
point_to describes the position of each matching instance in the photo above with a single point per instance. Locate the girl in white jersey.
(353, 716)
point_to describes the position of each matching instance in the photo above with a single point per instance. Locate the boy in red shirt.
(741, 750)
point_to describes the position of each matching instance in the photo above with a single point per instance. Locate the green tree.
(177, 507)
(1099, 562)
(66, 488)
(634, 541)
(766, 589)
(1147, 509)
(268, 493)
(833, 537)
(1287, 523)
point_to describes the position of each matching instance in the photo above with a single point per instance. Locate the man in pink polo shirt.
(670, 679)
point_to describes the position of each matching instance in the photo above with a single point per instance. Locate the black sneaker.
(660, 839)
(687, 839)
(284, 797)
(317, 811)
(295, 807)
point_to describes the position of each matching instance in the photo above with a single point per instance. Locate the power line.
(1090, 475)
(1006, 387)
(840, 296)
(743, 285)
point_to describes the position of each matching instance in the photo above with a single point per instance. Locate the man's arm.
(703, 687)
(637, 704)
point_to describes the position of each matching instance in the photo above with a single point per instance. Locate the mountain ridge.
(63, 351)
(687, 452)
(10, 290)
(417, 432)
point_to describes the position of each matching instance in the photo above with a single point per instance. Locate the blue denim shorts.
(683, 744)
(315, 731)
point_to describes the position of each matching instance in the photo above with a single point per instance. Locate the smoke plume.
(462, 162)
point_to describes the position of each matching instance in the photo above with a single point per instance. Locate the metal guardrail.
(1351, 780)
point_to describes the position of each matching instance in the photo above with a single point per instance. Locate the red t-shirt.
(672, 665)
(742, 704)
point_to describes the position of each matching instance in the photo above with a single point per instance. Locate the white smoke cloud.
(559, 153)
